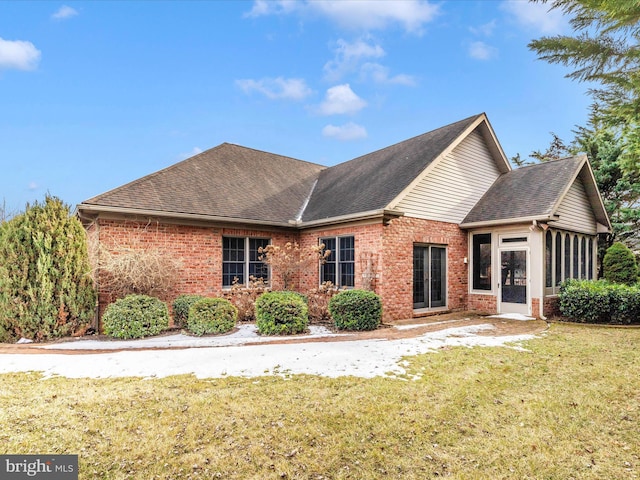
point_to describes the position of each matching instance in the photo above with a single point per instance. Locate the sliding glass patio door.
(429, 276)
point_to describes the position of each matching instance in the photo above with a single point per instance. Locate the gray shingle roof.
(372, 181)
(226, 181)
(531, 191)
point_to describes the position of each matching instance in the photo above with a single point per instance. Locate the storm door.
(514, 284)
(429, 276)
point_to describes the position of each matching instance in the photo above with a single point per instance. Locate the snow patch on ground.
(245, 333)
(361, 358)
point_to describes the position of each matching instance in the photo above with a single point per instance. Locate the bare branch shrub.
(133, 268)
(244, 297)
(144, 272)
(289, 260)
(318, 302)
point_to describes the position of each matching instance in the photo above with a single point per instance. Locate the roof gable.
(226, 181)
(372, 182)
(535, 192)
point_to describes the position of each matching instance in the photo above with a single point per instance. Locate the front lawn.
(566, 408)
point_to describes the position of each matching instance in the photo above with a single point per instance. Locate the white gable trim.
(593, 194)
(492, 144)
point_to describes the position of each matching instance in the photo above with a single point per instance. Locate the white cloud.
(272, 7)
(349, 131)
(536, 16)
(485, 29)
(380, 74)
(33, 186)
(348, 57)
(412, 15)
(64, 12)
(482, 51)
(18, 55)
(341, 100)
(277, 88)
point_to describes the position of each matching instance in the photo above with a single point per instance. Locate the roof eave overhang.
(85, 210)
(382, 214)
(509, 221)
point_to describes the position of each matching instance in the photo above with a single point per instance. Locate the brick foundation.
(483, 304)
(551, 306)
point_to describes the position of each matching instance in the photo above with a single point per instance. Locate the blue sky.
(96, 94)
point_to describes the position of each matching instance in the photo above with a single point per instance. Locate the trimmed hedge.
(619, 265)
(181, 306)
(356, 310)
(211, 315)
(136, 316)
(600, 301)
(281, 313)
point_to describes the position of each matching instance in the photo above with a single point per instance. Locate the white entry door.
(514, 288)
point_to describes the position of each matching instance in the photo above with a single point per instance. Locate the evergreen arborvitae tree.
(619, 265)
(46, 290)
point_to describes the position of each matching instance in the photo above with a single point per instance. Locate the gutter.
(371, 214)
(386, 215)
(84, 207)
(507, 221)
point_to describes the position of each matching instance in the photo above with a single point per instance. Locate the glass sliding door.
(429, 276)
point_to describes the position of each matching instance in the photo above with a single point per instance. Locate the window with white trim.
(241, 260)
(339, 267)
(481, 254)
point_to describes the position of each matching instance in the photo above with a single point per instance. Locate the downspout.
(536, 226)
(96, 318)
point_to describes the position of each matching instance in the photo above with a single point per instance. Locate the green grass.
(568, 408)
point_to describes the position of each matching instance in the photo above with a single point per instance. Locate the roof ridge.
(306, 200)
(189, 160)
(156, 173)
(271, 153)
(550, 161)
(474, 117)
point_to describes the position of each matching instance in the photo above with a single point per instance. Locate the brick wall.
(551, 306)
(199, 250)
(396, 263)
(386, 251)
(484, 304)
(367, 239)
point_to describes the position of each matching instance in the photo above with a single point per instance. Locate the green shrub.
(281, 313)
(136, 316)
(625, 301)
(600, 302)
(356, 310)
(46, 289)
(619, 265)
(211, 315)
(585, 301)
(181, 306)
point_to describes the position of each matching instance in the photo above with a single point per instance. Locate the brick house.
(435, 223)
